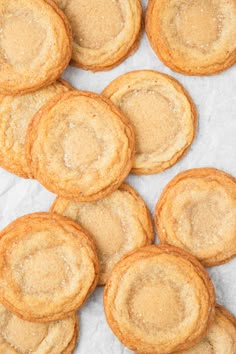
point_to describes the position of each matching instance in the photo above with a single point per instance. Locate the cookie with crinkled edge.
(18, 336)
(49, 267)
(35, 45)
(73, 343)
(118, 224)
(220, 337)
(193, 37)
(15, 114)
(163, 115)
(105, 32)
(159, 297)
(197, 212)
(80, 146)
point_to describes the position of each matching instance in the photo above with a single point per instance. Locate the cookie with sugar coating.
(35, 45)
(105, 32)
(197, 212)
(221, 337)
(163, 115)
(16, 113)
(49, 267)
(159, 298)
(80, 146)
(193, 37)
(18, 336)
(118, 224)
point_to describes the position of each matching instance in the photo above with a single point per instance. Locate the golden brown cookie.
(20, 337)
(105, 32)
(163, 116)
(193, 37)
(72, 345)
(197, 212)
(221, 337)
(35, 45)
(48, 267)
(118, 224)
(80, 146)
(15, 114)
(159, 298)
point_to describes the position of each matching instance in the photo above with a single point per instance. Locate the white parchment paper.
(214, 146)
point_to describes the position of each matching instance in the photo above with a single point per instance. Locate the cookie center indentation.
(45, 271)
(81, 147)
(94, 23)
(156, 306)
(104, 226)
(153, 119)
(206, 220)
(198, 23)
(21, 39)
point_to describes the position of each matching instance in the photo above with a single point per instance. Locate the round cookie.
(163, 116)
(35, 45)
(193, 37)
(159, 297)
(118, 224)
(48, 267)
(221, 337)
(105, 32)
(80, 146)
(197, 212)
(19, 337)
(15, 114)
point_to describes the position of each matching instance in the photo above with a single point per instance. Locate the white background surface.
(214, 146)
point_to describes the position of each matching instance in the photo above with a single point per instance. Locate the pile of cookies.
(158, 299)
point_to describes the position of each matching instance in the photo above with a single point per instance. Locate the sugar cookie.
(80, 146)
(159, 297)
(197, 212)
(193, 37)
(19, 337)
(48, 267)
(105, 32)
(15, 114)
(118, 224)
(35, 45)
(163, 116)
(221, 337)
